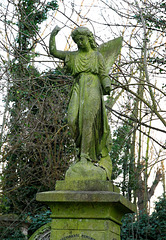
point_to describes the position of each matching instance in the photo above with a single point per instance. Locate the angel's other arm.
(52, 45)
(105, 79)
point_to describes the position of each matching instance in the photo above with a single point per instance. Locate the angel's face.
(82, 42)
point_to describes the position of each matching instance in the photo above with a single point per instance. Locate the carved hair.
(86, 32)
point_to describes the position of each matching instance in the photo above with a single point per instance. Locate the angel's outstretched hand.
(55, 30)
(52, 45)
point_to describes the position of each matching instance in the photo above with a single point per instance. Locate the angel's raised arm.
(52, 45)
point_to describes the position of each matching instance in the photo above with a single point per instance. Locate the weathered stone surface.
(85, 170)
(106, 163)
(43, 233)
(86, 205)
(93, 185)
(87, 118)
(94, 215)
(85, 197)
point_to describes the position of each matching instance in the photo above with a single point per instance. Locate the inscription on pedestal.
(77, 237)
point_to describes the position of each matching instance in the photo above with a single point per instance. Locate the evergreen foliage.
(38, 220)
(122, 158)
(12, 234)
(146, 227)
(38, 146)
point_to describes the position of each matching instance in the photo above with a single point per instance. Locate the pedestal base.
(92, 229)
(94, 215)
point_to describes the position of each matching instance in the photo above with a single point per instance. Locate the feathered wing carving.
(110, 51)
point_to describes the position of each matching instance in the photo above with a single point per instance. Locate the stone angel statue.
(87, 119)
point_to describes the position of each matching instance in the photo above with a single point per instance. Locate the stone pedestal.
(94, 213)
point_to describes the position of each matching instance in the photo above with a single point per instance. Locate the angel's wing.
(110, 51)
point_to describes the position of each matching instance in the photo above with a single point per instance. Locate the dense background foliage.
(150, 227)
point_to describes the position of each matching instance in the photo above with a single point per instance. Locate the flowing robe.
(87, 117)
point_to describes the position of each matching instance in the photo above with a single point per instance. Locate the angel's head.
(83, 32)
